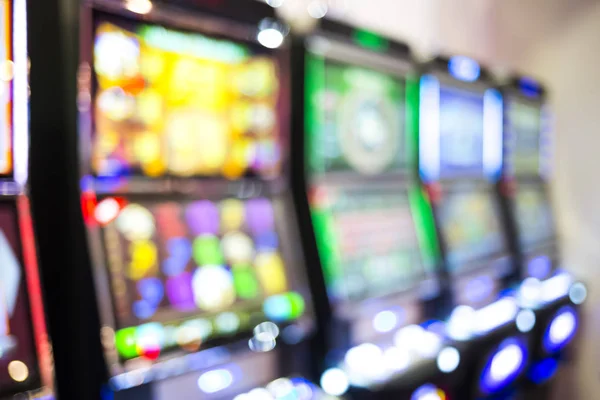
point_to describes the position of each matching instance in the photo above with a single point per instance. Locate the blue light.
(529, 87)
(504, 366)
(539, 267)
(464, 68)
(543, 370)
(493, 125)
(560, 330)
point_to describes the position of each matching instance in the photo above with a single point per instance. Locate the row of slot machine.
(221, 212)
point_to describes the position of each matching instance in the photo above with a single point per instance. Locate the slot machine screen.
(186, 274)
(358, 118)
(470, 223)
(525, 128)
(534, 216)
(169, 102)
(367, 241)
(5, 90)
(18, 361)
(461, 131)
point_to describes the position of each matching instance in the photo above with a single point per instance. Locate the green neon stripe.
(370, 40)
(425, 225)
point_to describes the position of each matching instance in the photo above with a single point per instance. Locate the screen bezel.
(35, 382)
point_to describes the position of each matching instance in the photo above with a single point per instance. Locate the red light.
(434, 192)
(88, 205)
(34, 289)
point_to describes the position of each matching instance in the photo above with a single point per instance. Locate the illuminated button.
(18, 371)
(259, 216)
(207, 250)
(334, 382)
(428, 392)
(239, 159)
(203, 217)
(232, 214)
(237, 247)
(448, 359)
(180, 292)
(271, 272)
(215, 381)
(213, 288)
(135, 222)
(125, 343)
(244, 280)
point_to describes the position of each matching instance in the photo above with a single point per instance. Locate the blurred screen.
(534, 216)
(525, 128)
(183, 273)
(461, 131)
(5, 90)
(367, 241)
(170, 102)
(17, 352)
(471, 227)
(358, 120)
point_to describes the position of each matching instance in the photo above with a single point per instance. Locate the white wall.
(569, 60)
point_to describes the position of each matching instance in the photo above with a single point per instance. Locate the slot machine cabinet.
(25, 354)
(183, 241)
(552, 294)
(367, 229)
(460, 141)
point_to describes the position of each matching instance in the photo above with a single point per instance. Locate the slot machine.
(460, 162)
(549, 292)
(368, 229)
(186, 226)
(25, 355)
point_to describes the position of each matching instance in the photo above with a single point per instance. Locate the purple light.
(203, 217)
(504, 366)
(560, 330)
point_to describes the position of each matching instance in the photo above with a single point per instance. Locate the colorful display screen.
(367, 241)
(6, 67)
(524, 121)
(461, 131)
(357, 118)
(183, 273)
(470, 223)
(175, 103)
(18, 361)
(534, 216)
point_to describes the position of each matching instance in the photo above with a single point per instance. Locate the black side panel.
(64, 262)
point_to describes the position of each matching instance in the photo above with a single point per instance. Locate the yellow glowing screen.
(5, 88)
(175, 103)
